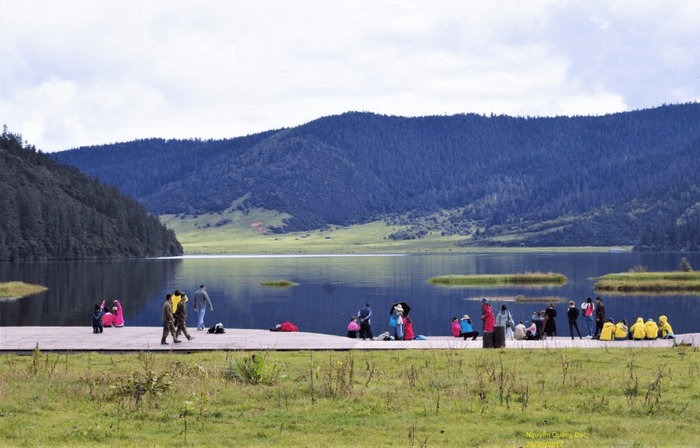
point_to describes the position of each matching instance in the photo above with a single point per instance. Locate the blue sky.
(76, 72)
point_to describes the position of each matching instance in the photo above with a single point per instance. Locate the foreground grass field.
(234, 232)
(487, 398)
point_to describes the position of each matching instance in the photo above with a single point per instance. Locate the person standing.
(505, 320)
(168, 326)
(365, 323)
(550, 325)
(589, 316)
(599, 316)
(572, 314)
(201, 301)
(181, 318)
(487, 316)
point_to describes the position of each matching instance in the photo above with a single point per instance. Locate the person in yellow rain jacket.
(652, 329)
(608, 331)
(621, 330)
(177, 296)
(665, 330)
(638, 331)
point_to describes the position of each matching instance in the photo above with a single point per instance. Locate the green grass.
(201, 235)
(447, 398)
(16, 290)
(654, 282)
(527, 279)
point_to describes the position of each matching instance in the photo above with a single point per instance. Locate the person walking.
(589, 316)
(365, 324)
(181, 318)
(201, 301)
(168, 326)
(599, 316)
(572, 314)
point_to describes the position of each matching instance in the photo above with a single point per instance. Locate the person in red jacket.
(108, 317)
(456, 329)
(408, 329)
(487, 315)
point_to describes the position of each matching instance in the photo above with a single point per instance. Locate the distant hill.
(495, 179)
(50, 212)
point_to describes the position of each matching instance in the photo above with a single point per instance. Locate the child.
(456, 329)
(353, 328)
(97, 319)
(108, 318)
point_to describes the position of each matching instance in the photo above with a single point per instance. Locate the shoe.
(163, 343)
(177, 341)
(189, 338)
(200, 329)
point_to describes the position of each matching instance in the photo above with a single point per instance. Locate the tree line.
(51, 212)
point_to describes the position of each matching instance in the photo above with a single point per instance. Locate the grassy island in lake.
(672, 282)
(527, 279)
(16, 290)
(279, 283)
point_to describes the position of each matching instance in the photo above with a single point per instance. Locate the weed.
(252, 370)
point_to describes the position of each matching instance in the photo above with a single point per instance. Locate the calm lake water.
(331, 289)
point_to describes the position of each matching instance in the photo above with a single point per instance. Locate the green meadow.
(234, 232)
(614, 397)
(526, 279)
(15, 290)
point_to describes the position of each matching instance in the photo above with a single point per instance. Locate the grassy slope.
(240, 237)
(450, 398)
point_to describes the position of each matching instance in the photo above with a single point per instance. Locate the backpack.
(217, 329)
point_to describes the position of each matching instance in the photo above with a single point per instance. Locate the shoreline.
(147, 339)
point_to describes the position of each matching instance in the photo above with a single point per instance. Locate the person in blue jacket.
(466, 329)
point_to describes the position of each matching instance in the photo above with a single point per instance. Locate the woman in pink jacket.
(118, 315)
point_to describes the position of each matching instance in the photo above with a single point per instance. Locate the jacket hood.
(663, 319)
(640, 320)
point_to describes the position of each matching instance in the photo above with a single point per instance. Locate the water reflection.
(331, 289)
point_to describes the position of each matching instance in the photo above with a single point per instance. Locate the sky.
(89, 72)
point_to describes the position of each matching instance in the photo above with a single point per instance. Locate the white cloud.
(83, 72)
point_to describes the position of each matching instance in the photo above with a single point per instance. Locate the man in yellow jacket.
(608, 331)
(638, 331)
(665, 330)
(621, 330)
(652, 330)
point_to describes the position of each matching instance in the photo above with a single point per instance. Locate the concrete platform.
(129, 339)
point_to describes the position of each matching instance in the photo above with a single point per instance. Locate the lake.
(332, 288)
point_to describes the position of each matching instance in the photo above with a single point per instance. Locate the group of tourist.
(543, 324)
(175, 313)
(400, 323)
(105, 318)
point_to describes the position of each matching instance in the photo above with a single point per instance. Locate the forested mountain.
(551, 180)
(50, 211)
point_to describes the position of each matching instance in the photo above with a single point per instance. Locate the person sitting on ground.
(621, 330)
(118, 315)
(608, 331)
(652, 330)
(408, 333)
(665, 330)
(456, 329)
(520, 332)
(466, 329)
(353, 328)
(108, 318)
(533, 331)
(638, 330)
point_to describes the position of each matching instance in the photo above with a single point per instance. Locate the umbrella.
(404, 305)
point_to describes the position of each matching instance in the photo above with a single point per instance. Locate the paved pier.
(130, 339)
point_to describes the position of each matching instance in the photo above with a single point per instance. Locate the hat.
(465, 317)
(483, 300)
(571, 303)
(398, 307)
